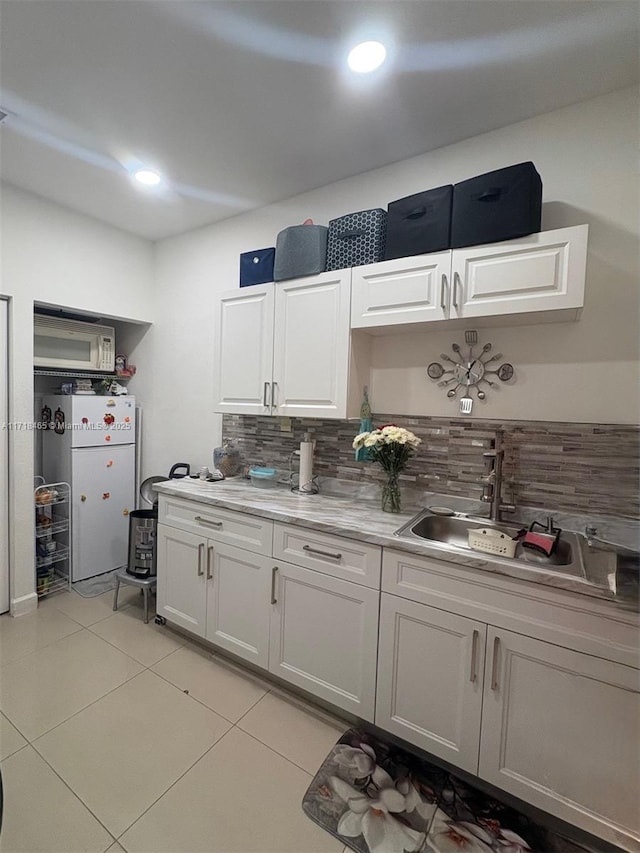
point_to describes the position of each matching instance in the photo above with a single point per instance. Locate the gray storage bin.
(300, 250)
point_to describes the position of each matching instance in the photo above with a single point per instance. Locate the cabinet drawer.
(556, 615)
(333, 555)
(222, 525)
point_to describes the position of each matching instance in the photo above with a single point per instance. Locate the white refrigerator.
(90, 444)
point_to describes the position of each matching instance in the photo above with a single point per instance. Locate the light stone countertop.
(363, 520)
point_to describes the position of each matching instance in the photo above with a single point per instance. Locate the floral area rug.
(377, 798)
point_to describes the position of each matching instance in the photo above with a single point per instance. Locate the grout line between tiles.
(80, 710)
(39, 649)
(175, 782)
(272, 749)
(128, 654)
(75, 794)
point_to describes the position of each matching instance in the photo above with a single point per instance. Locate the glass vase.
(391, 500)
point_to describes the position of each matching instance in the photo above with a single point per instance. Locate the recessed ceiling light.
(366, 56)
(147, 177)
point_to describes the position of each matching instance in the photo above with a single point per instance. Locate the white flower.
(449, 836)
(371, 816)
(511, 842)
(358, 762)
(359, 440)
(414, 801)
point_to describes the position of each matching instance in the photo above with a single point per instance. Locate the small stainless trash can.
(142, 543)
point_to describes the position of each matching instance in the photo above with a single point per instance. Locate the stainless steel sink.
(452, 532)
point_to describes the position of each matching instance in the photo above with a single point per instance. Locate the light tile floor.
(120, 736)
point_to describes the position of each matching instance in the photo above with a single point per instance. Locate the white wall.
(52, 255)
(580, 372)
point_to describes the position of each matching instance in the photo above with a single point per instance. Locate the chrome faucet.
(492, 492)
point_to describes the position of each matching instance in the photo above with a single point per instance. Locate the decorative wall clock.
(469, 371)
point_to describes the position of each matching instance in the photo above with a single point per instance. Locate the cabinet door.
(181, 590)
(541, 272)
(323, 637)
(243, 350)
(311, 346)
(430, 673)
(401, 291)
(238, 595)
(560, 730)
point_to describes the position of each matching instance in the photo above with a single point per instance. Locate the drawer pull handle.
(200, 555)
(474, 655)
(209, 559)
(322, 553)
(274, 572)
(443, 288)
(265, 395)
(494, 667)
(206, 521)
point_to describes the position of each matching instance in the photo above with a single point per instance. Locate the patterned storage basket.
(356, 239)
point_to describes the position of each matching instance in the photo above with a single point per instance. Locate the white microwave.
(71, 345)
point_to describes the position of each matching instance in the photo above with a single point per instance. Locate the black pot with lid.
(177, 472)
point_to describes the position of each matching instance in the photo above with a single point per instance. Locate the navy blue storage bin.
(419, 223)
(257, 267)
(500, 205)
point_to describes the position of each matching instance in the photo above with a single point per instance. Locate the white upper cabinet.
(284, 348)
(541, 272)
(538, 278)
(311, 346)
(243, 354)
(404, 290)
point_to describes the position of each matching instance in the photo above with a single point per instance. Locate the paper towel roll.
(305, 482)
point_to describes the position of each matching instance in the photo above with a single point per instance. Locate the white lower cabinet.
(530, 689)
(181, 591)
(309, 626)
(560, 730)
(216, 591)
(238, 602)
(430, 675)
(552, 725)
(324, 637)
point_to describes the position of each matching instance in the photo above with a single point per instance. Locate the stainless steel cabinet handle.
(494, 666)
(474, 654)
(274, 572)
(456, 279)
(200, 555)
(209, 561)
(322, 553)
(443, 289)
(274, 385)
(206, 521)
(265, 394)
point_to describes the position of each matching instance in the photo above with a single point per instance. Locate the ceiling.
(240, 104)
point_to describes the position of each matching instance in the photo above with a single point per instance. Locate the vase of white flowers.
(391, 446)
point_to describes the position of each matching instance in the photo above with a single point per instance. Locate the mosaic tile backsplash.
(581, 468)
